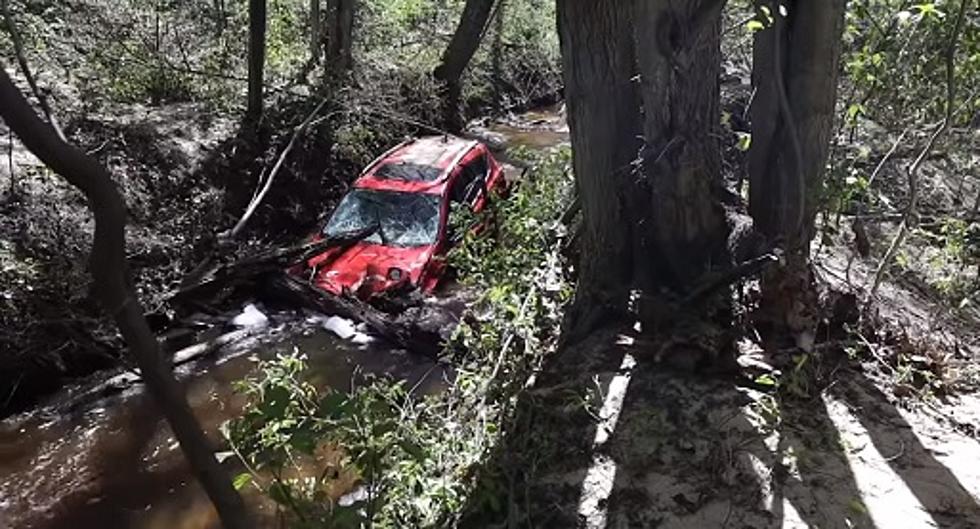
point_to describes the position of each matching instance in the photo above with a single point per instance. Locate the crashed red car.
(398, 217)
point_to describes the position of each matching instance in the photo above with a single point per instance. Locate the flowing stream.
(99, 455)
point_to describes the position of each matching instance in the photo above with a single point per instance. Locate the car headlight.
(394, 274)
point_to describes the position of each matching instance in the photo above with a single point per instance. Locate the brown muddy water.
(99, 454)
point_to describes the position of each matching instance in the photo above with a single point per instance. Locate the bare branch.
(913, 170)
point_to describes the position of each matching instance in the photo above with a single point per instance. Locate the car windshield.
(390, 218)
(408, 171)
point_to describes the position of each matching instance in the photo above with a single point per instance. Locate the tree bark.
(256, 59)
(462, 47)
(604, 123)
(316, 41)
(676, 194)
(340, 35)
(795, 74)
(113, 284)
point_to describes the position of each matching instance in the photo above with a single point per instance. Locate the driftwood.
(215, 275)
(406, 335)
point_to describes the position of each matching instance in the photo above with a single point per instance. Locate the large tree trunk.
(643, 113)
(340, 35)
(256, 58)
(113, 285)
(603, 114)
(678, 47)
(462, 47)
(795, 73)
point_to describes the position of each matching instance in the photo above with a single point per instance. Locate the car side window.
(471, 181)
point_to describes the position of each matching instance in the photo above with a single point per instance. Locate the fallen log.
(403, 334)
(212, 275)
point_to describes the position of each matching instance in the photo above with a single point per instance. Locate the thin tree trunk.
(316, 40)
(340, 35)
(462, 47)
(113, 284)
(795, 73)
(497, 56)
(604, 122)
(10, 163)
(256, 59)
(220, 18)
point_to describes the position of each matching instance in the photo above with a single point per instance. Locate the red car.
(398, 213)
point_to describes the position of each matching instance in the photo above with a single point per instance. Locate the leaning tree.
(464, 43)
(114, 287)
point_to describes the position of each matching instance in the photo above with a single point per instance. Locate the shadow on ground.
(609, 439)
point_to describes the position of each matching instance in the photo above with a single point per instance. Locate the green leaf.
(755, 25)
(241, 480)
(765, 379)
(333, 403)
(744, 141)
(412, 449)
(304, 441)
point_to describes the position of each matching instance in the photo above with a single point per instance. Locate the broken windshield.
(391, 218)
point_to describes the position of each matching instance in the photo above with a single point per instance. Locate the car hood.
(363, 269)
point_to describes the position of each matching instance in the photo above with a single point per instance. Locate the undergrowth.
(414, 457)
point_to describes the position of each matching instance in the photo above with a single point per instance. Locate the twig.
(732, 275)
(913, 169)
(10, 159)
(884, 159)
(874, 352)
(26, 69)
(254, 204)
(403, 119)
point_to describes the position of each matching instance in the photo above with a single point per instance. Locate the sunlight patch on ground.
(601, 476)
(885, 496)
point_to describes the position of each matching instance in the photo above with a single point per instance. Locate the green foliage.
(416, 457)
(894, 60)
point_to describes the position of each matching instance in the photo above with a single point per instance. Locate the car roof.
(421, 165)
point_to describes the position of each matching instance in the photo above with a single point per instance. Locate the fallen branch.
(732, 275)
(254, 204)
(250, 268)
(403, 335)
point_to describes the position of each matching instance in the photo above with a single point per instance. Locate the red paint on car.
(404, 199)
